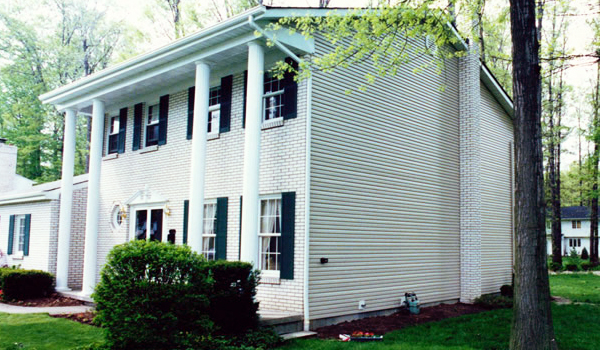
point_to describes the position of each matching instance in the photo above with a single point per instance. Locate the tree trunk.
(594, 177)
(532, 318)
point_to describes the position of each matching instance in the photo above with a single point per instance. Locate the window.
(113, 136)
(118, 216)
(209, 233)
(576, 223)
(270, 235)
(574, 242)
(214, 110)
(272, 98)
(148, 224)
(19, 244)
(152, 125)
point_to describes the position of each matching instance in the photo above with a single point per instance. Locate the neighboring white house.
(575, 227)
(344, 202)
(29, 217)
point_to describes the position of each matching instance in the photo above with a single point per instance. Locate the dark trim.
(138, 111)
(226, 90)
(288, 221)
(186, 215)
(190, 112)
(26, 236)
(11, 235)
(122, 130)
(221, 229)
(163, 116)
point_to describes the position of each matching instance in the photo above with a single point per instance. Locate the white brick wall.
(470, 176)
(167, 171)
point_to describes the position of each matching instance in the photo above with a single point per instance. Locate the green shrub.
(586, 265)
(262, 338)
(554, 266)
(493, 301)
(153, 295)
(18, 284)
(506, 291)
(584, 254)
(572, 267)
(232, 297)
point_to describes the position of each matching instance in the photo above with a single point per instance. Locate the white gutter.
(307, 166)
(32, 197)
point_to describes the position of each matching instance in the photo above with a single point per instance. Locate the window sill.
(274, 123)
(212, 136)
(269, 280)
(149, 149)
(18, 256)
(111, 156)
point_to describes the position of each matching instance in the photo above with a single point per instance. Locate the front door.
(148, 224)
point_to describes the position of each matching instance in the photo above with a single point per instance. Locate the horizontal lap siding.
(384, 188)
(496, 195)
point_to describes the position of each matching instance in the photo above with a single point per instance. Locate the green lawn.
(490, 330)
(583, 288)
(42, 332)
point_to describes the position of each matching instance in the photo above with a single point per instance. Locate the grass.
(580, 287)
(491, 330)
(42, 332)
(485, 331)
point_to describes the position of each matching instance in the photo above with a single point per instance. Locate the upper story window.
(270, 235)
(214, 110)
(272, 98)
(209, 231)
(113, 136)
(152, 125)
(576, 223)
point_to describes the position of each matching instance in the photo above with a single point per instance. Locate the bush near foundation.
(584, 254)
(19, 284)
(232, 297)
(154, 295)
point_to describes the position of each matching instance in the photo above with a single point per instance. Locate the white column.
(197, 173)
(250, 206)
(93, 200)
(66, 202)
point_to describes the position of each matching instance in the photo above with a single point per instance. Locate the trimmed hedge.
(232, 296)
(153, 295)
(156, 295)
(18, 284)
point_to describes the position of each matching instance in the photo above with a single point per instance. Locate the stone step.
(296, 335)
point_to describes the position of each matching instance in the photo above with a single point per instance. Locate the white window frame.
(115, 213)
(148, 122)
(111, 132)
(19, 236)
(276, 121)
(275, 274)
(148, 208)
(215, 121)
(205, 235)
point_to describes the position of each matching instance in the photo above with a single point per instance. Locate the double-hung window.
(272, 99)
(270, 236)
(19, 244)
(214, 110)
(113, 136)
(575, 223)
(209, 232)
(152, 125)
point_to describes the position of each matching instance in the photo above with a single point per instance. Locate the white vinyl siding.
(384, 188)
(496, 195)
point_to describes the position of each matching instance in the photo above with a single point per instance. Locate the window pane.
(215, 96)
(153, 114)
(273, 107)
(270, 231)
(140, 224)
(21, 244)
(156, 225)
(270, 253)
(209, 231)
(208, 247)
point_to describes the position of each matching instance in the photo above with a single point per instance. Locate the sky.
(579, 37)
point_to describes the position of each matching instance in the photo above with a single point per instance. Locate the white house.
(29, 220)
(344, 202)
(575, 228)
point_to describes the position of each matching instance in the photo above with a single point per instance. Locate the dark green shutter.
(288, 219)
(190, 122)
(122, 130)
(26, 239)
(221, 230)
(245, 93)
(226, 88)
(11, 235)
(290, 92)
(163, 116)
(138, 110)
(186, 214)
(240, 234)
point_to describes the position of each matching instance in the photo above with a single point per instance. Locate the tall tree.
(594, 158)
(532, 319)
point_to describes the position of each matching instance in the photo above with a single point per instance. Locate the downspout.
(307, 166)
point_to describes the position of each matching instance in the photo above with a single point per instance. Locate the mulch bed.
(401, 319)
(53, 299)
(83, 317)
